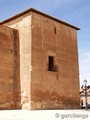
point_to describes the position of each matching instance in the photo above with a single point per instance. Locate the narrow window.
(55, 30)
(50, 63)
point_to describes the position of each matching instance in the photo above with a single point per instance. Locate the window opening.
(51, 64)
(55, 30)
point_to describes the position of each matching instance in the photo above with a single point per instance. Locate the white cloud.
(84, 65)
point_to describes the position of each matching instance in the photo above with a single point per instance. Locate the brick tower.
(49, 71)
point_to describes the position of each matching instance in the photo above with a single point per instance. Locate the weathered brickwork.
(23, 24)
(45, 41)
(60, 89)
(9, 68)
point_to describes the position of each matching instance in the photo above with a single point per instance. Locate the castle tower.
(49, 71)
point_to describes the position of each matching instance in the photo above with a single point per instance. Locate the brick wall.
(23, 25)
(9, 68)
(58, 89)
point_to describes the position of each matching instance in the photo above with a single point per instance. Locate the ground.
(44, 115)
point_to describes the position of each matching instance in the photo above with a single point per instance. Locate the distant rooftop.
(38, 12)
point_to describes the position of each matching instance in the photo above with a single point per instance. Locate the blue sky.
(75, 12)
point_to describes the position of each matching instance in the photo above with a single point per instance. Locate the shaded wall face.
(23, 25)
(59, 88)
(9, 68)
